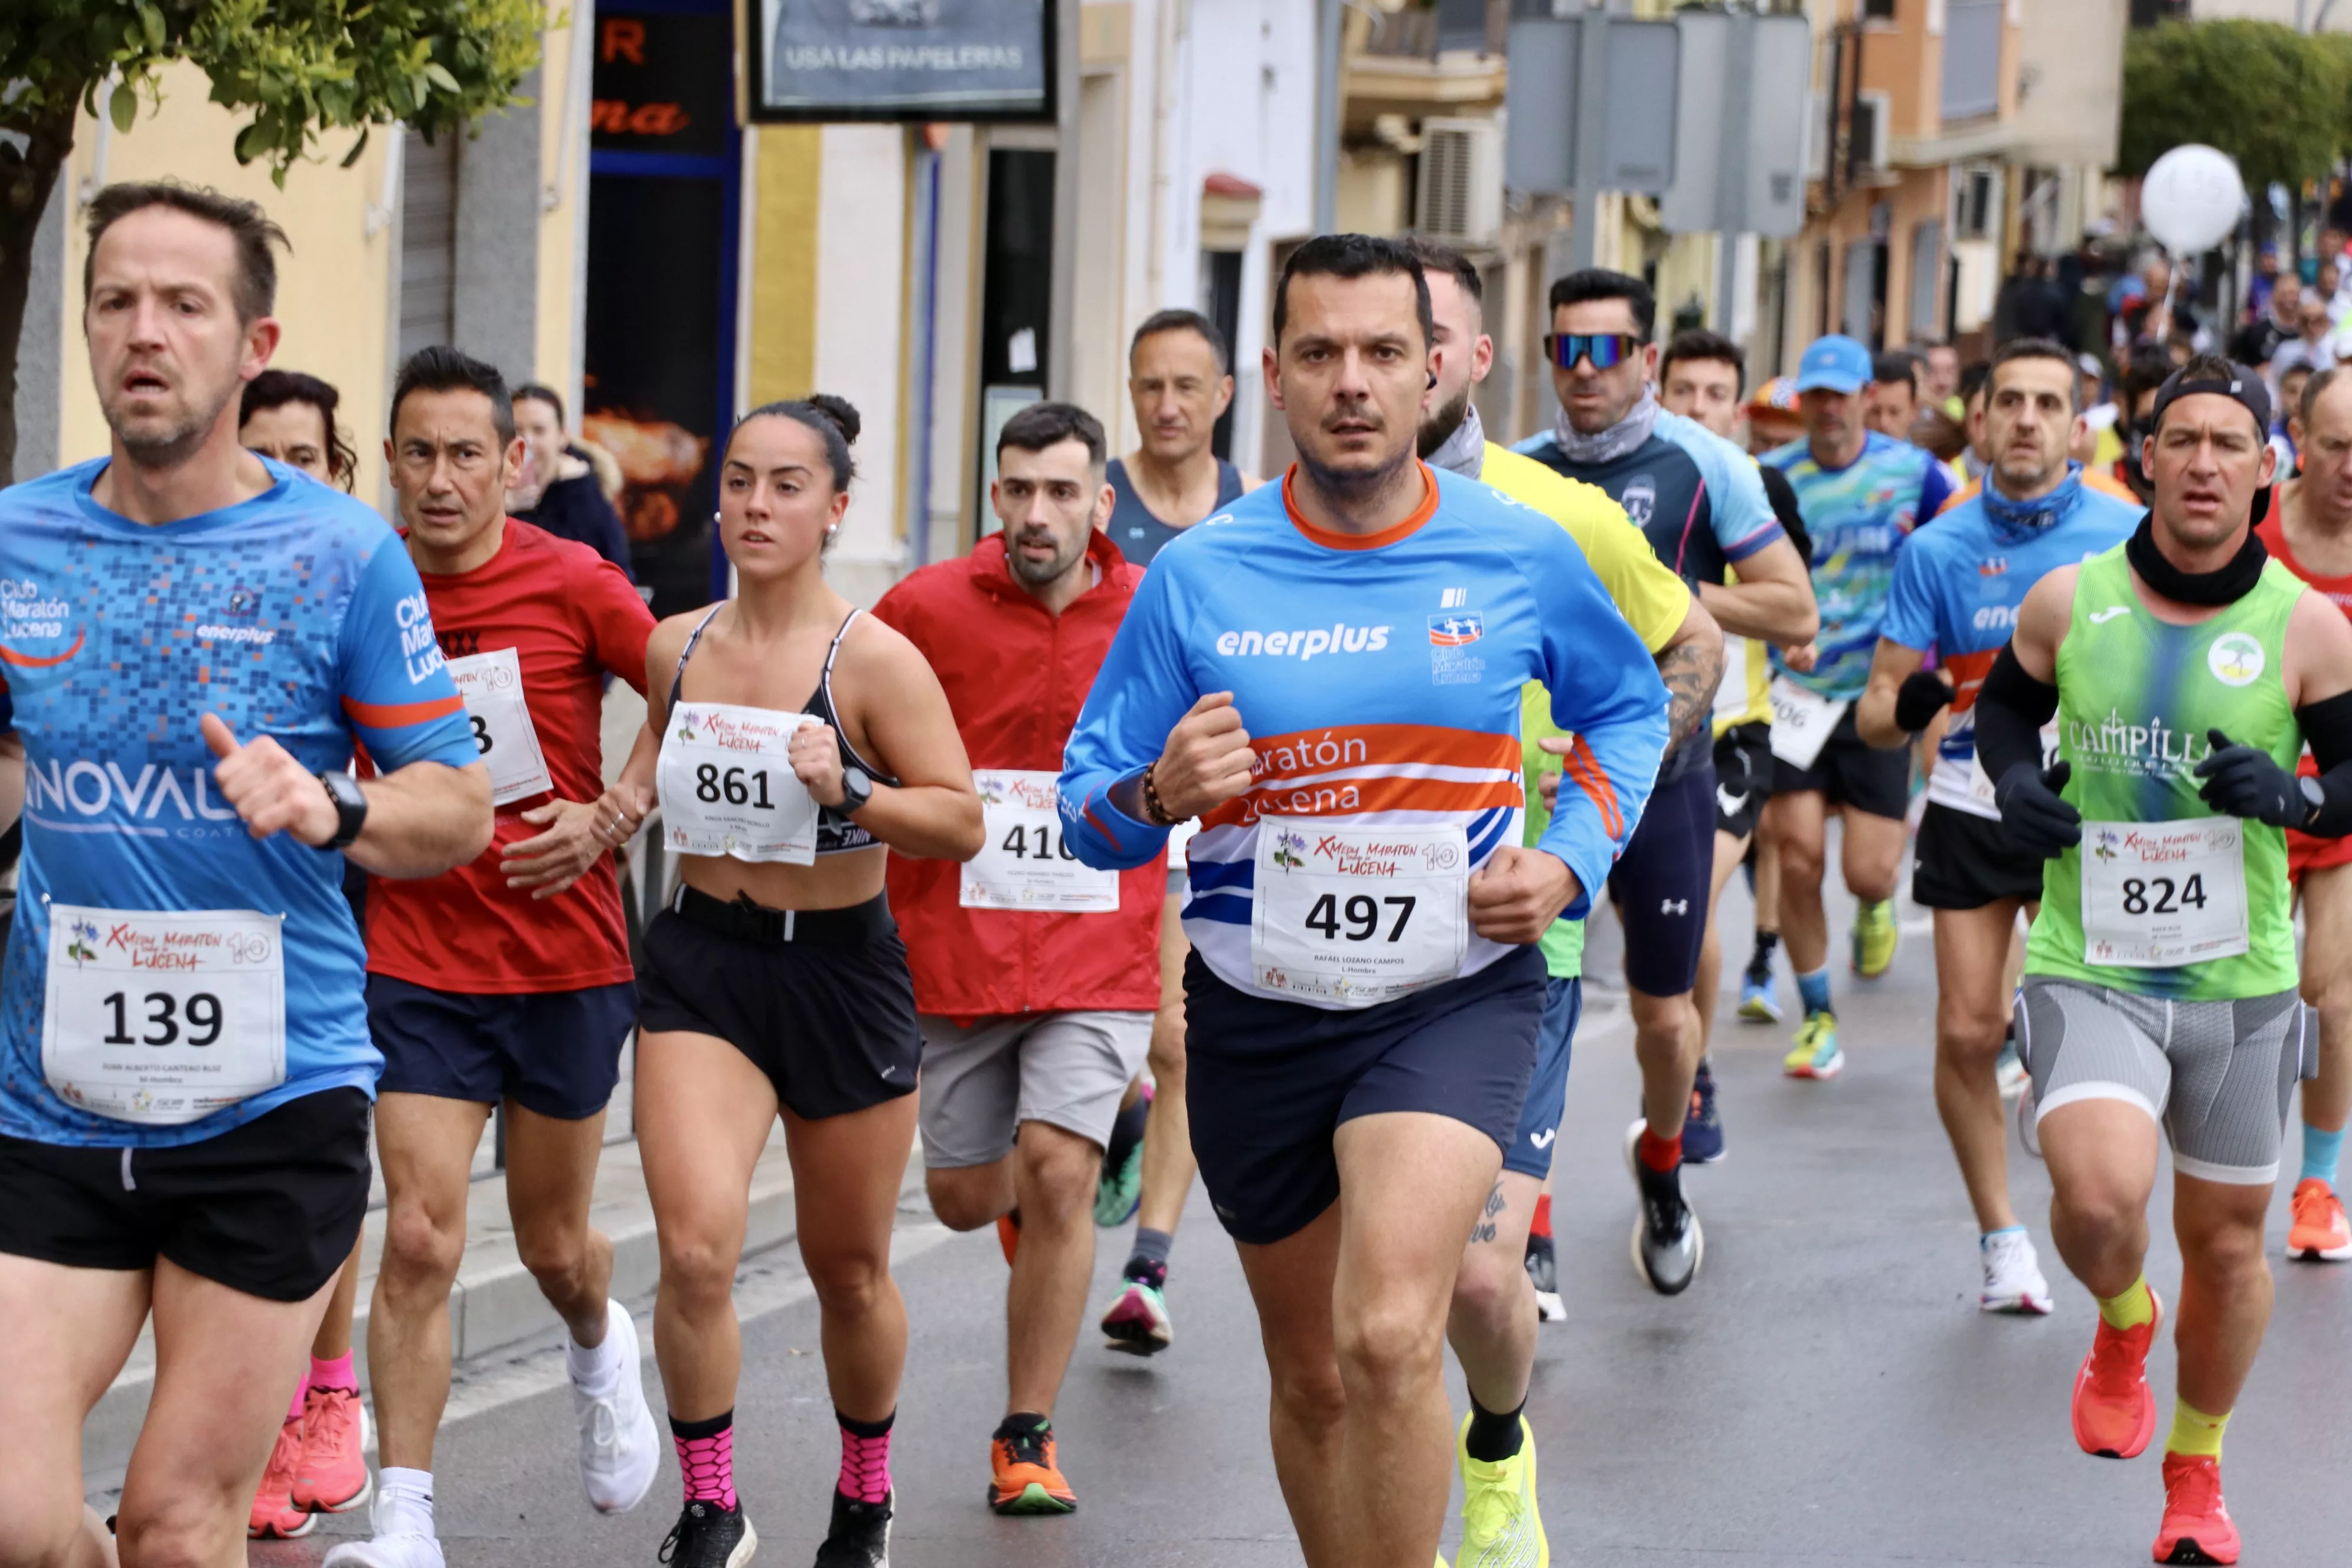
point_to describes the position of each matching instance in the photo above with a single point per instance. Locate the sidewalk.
(495, 1302)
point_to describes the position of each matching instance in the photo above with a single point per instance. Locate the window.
(1878, 10)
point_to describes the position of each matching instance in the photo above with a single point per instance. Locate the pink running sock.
(335, 1373)
(302, 1388)
(706, 1458)
(865, 1458)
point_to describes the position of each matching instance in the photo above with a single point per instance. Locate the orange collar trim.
(1389, 535)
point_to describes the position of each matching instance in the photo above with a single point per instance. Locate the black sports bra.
(836, 833)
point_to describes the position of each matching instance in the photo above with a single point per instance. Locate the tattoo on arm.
(1691, 672)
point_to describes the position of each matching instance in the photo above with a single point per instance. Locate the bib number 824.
(203, 1011)
(2167, 898)
(1362, 914)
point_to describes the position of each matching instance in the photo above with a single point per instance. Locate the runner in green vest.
(2186, 671)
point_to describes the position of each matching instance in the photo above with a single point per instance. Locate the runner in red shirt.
(1035, 976)
(506, 981)
(2309, 533)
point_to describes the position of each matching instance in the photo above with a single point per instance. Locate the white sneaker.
(406, 1549)
(2008, 1072)
(620, 1445)
(2012, 1275)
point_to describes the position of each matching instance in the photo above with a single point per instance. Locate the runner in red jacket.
(1035, 976)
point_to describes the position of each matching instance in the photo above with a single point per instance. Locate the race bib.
(1356, 916)
(162, 1017)
(2159, 894)
(727, 787)
(1026, 863)
(1731, 694)
(491, 684)
(1802, 721)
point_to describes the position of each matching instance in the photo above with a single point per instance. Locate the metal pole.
(1591, 125)
(1731, 198)
(1331, 16)
(1063, 323)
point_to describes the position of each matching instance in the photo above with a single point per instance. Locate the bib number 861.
(202, 1010)
(712, 786)
(2167, 898)
(1362, 914)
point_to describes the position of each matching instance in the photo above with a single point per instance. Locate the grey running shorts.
(2216, 1075)
(982, 1080)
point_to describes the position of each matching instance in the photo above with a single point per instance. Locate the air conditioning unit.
(1459, 194)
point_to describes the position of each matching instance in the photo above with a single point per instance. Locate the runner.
(798, 738)
(291, 416)
(2186, 673)
(1364, 995)
(265, 623)
(1700, 377)
(556, 489)
(1862, 494)
(2309, 533)
(1510, 1271)
(506, 983)
(1698, 499)
(1035, 978)
(1893, 406)
(1956, 591)
(1180, 384)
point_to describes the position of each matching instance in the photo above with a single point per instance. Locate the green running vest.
(2136, 696)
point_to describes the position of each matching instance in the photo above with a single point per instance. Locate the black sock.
(1766, 941)
(1492, 1438)
(1024, 1424)
(1126, 1132)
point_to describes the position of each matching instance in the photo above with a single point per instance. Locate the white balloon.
(2192, 198)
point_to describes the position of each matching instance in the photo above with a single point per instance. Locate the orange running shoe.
(1025, 1479)
(2197, 1527)
(2115, 1409)
(333, 1477)
(2319, 1233)
(274, 1512)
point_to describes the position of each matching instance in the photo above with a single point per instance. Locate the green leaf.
(122, 108)
(439, 76)
(358, 147)
(153, 21)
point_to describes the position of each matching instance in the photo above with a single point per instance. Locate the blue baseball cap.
(1834, 363)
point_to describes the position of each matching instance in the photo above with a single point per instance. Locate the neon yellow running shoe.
(1875, 938)
(1816, 1053)
(1500, 1525)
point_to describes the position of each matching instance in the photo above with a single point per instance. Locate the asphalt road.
(1826, 1393)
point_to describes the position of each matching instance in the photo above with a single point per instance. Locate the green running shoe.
(1816, 1053)
(1875, 938)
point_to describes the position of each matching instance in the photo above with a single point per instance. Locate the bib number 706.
(1362, 914)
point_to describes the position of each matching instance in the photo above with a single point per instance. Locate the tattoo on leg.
(1485, 1229)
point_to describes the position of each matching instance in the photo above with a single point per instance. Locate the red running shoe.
(2115, 1409)
(2197, 1527)
(333, 1478)
(2318, 1233)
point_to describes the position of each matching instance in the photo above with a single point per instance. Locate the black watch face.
(856, 785)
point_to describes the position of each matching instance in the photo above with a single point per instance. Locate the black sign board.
(901, 60)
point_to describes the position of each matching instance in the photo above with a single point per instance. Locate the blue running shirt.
(296, 615)
(1859, 517)
(1379, 679)
(1957, 589)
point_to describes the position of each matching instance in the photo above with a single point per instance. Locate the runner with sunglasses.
(1701, 502)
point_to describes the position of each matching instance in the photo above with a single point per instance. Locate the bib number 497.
(1361, 914)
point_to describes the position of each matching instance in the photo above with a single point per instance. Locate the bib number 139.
(165, 1018)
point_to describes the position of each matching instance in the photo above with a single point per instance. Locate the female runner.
(775, 982)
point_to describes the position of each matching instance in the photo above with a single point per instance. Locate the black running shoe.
(1703, 1127)
(1543, 1273)
(860, 1536)
(709, 1536)
(1667, 1245)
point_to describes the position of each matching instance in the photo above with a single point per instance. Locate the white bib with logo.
(1025, 863)
(2160, 894)
(1802, 721)
(491, 684)
(727, 786)
(1356, 916)
(162, 1017)
(1731, 693)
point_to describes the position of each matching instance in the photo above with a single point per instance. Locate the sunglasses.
(1606, 350)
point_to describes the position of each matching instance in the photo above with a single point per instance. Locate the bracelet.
(1154, 812)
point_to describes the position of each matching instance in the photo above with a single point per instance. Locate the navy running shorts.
(1269, 1082)
(1531, 1150)
(1660, 884)
(270, 1208)
(555, 1053)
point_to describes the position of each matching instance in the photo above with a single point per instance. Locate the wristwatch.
(2315, 795)
(351, 807)
(857, 789)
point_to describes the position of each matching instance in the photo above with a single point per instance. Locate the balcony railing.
(1423, 33)
(1971, 59)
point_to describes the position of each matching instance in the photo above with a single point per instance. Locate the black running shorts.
(1743, 776)
(829, 1015)
(270, 1208)
(1963, 861)
(1852, 772)
(1270, 1081)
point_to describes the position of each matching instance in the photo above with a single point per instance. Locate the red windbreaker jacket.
(1015, 679)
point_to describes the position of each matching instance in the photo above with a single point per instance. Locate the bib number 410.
(1037, 843)
(1362, 915)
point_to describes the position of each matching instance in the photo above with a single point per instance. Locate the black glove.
(1919, 699)
(2037, 821)
(2246, 782)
